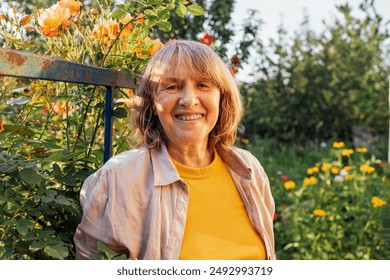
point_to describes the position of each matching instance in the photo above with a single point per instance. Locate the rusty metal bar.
(21, 64)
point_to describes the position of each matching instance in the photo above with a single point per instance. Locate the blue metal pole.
(108, 123)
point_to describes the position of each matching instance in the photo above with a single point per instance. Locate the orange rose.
(107, 30)
(1, 125)
(51, 19)
(73, 6)
(156, 46)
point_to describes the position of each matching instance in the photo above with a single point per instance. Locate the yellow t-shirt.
(217, 226)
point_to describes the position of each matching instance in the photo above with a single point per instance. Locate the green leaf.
(57, 169)
(171, 6)
(118, 14)
(164, 26)
(155, 2)
(196, 10)
(45, 233)
(21, 130)
(120, 113)
(181, 10)
(163, 14)
(36, 246)
(110, 253)
(30, 176)
(8, 168)
(23, 225)
(57, 251)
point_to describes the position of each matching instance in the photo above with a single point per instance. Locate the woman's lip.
(189, 117)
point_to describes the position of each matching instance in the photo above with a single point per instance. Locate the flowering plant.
(336, 210)
(51, 134)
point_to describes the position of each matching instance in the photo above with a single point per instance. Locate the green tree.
(320, 87)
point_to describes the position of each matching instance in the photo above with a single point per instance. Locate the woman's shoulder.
(126, 158)
(245, 155)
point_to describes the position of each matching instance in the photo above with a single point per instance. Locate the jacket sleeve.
(96, 223)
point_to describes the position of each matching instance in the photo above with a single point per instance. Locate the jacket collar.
(165, 172)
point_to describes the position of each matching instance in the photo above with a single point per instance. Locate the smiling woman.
(184, 191)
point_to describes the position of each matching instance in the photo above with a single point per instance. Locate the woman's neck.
(191, 156)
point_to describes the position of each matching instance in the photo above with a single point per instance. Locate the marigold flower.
(309, 181)
(377, 202)
(347, 168)
(73, 6)
(335, 170)
(367, 169)
(348, 177)
(244, 140)
(325, 167)
(289, 185)
(319, 212)
(3, 16)
(347, 152)
(361, 150)
(338, 145)
(312, 170)
(49, 20)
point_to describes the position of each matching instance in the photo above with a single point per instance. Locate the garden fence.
(21, 64)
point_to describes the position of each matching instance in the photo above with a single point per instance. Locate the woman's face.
(187, 108)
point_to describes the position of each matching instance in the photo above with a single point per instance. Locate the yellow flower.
(347, 152)
(309, 181)
(367, 169)
(347, 168)
(335, 170)
(377, 202)
(361, 150)
(338, 145)
(312, 170)
(289, 185)
(322, 190)
(348, 177)
(325, 167)
(319, 213)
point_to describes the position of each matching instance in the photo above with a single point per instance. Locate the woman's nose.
(189, 97)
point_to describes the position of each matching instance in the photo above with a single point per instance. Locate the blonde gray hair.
(203, 63)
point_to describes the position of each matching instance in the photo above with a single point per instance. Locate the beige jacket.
(137, 203)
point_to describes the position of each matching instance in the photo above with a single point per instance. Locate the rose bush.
(51, 134)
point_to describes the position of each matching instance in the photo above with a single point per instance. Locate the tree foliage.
(321, 87)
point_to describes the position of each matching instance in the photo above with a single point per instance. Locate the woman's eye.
(203, 85)
(172, 87)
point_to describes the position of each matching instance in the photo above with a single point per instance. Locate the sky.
(291, 13)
